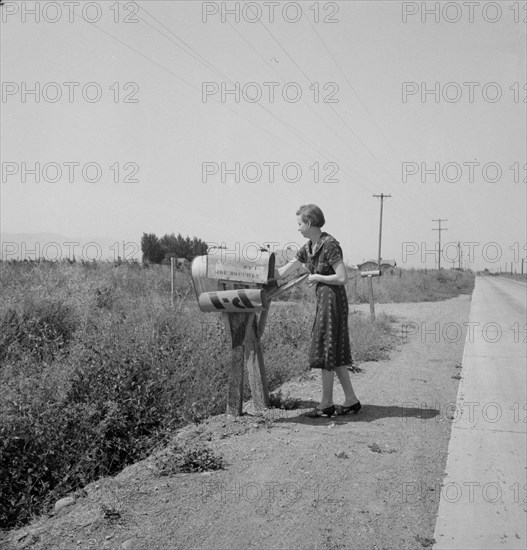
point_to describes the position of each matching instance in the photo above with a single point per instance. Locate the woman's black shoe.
(354, 408)
(328, 411)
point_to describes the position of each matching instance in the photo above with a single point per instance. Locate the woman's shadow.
(368, 413)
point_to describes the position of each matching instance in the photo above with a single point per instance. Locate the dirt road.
(370, 481)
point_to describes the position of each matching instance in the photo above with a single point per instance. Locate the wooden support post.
(235, 391)
(246, 352)
(372, 304)
(262, 320)
(237, 323)
(172, 279)
(255, 366)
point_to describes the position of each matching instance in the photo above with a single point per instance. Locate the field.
(97, 367)
(514, 276)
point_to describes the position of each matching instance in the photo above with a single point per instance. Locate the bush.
(39, 328)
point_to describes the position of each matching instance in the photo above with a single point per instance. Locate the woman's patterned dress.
(330, 342)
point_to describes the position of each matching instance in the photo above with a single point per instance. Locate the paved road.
(483, 500)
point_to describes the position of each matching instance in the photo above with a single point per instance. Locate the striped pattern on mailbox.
(240, 300)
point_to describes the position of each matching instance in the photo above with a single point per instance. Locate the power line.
(358, 97)
(196, 55)
(343, 140)
(223, 75)
(197, 89)
(338, 115)
(351, 86)
(209, 65)
(331, 107)
(203, 60)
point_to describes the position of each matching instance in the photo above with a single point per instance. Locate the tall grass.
(97, 367)
(411, 285)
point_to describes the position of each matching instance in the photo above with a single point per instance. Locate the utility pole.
(459, 254)
(382, 196)
(439, 229)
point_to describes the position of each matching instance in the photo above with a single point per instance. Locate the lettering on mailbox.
(256, 272)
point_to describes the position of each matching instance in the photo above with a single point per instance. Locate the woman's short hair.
(311, 213)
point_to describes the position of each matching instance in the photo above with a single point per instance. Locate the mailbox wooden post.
(246, 354)
(236, 290)
(373, 268)
(254, 361)
(370, 275)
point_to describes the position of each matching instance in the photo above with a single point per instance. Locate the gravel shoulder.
(368, 481)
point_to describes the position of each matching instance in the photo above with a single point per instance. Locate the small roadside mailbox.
(241, 290)
(373, 268)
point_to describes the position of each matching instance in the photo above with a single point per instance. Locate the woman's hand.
(312, 279)
(285, 270)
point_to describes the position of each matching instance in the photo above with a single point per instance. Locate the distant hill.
(54, 246)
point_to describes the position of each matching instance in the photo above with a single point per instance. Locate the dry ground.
(368, 481)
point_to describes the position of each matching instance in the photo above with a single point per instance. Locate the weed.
(279, 401)
(196, 458)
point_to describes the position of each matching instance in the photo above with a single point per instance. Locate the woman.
(330, 348)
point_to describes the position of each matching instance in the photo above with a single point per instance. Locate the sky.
(219, 119)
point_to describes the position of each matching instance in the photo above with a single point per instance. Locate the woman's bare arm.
(285, 270)
(340, 277)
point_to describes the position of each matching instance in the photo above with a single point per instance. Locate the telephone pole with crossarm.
(382, 196)
(439, 229)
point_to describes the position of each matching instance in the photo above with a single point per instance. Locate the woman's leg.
(327, 388)
(344, 378)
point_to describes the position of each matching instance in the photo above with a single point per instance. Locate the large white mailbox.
(231, 286)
